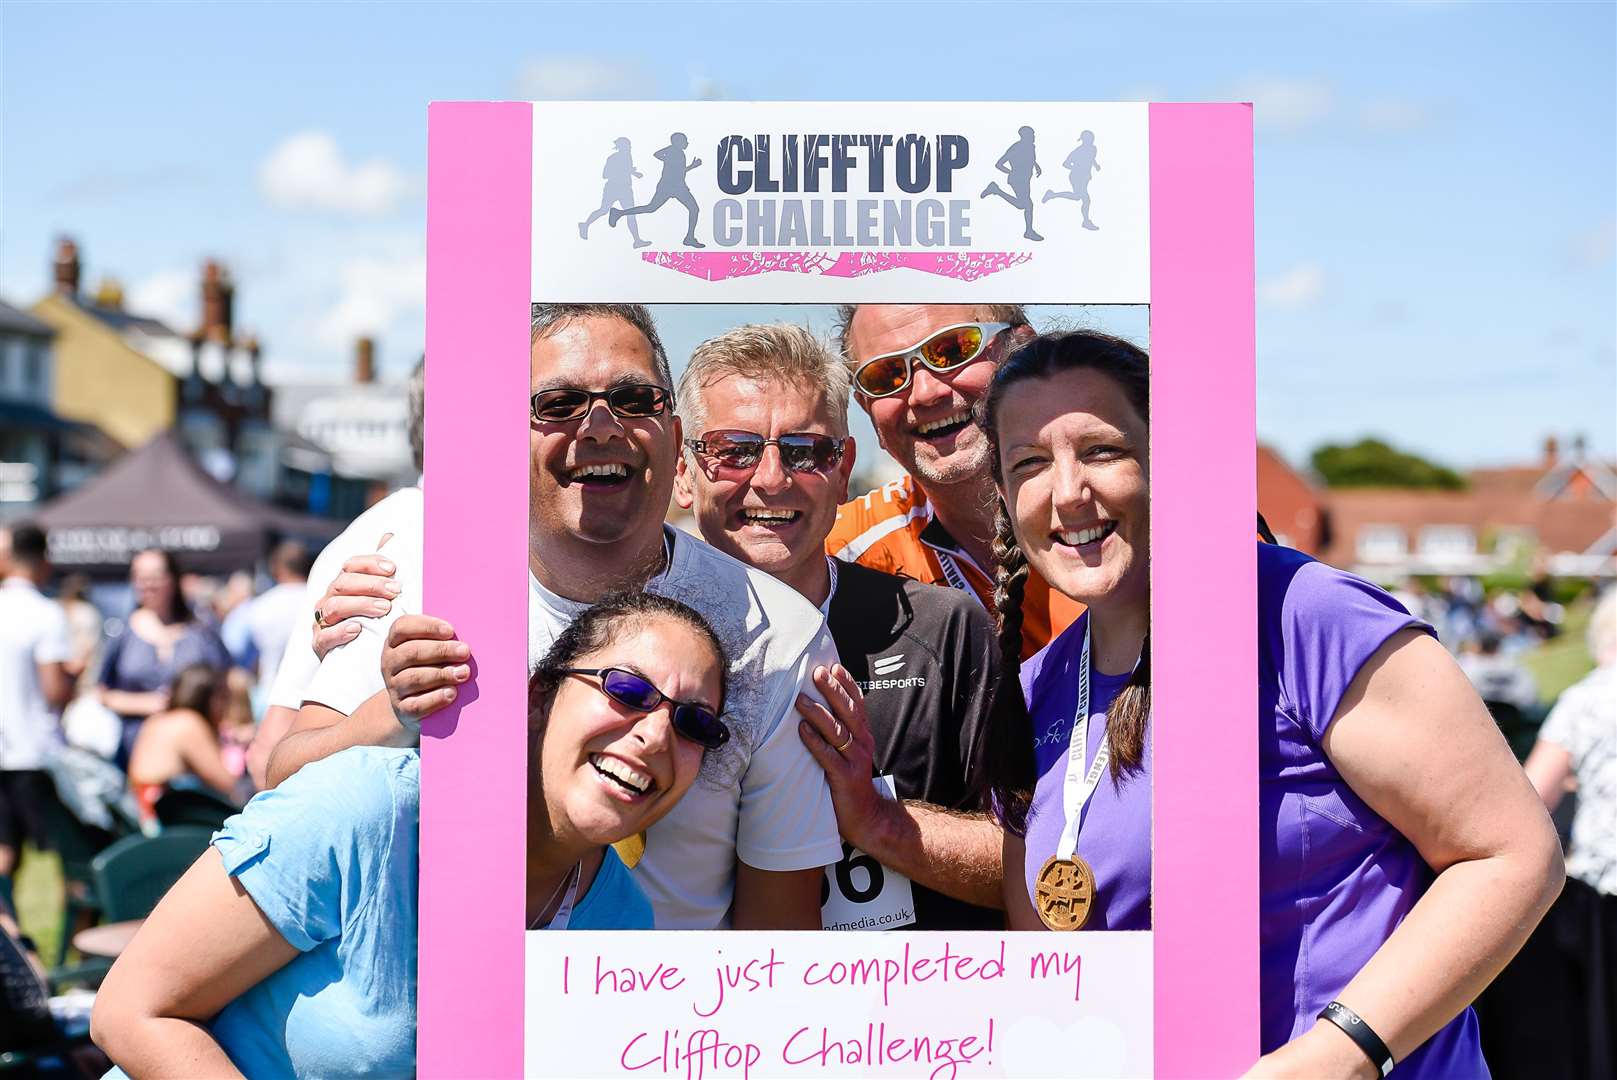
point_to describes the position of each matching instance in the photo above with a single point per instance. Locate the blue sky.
(1435, 181)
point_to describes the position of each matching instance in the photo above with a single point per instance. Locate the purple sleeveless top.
(1335, 878)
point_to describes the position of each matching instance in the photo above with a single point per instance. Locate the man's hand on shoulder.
(839, 739)
(364, 589)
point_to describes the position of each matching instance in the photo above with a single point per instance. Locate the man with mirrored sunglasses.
(763, 473)
(918, 371)
(745, 845)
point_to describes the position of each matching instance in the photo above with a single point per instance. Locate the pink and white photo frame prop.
(800, 215)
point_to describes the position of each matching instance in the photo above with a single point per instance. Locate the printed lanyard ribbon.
(565, 912)
(1080, 785)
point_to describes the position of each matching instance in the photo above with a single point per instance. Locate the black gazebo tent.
(158, 496)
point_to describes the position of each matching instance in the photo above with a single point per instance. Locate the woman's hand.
(364, 589)
(422, 663)
(140, 703)
(1320, 1053)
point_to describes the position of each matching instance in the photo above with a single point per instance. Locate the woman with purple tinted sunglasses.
(307, 909)
(620, 712)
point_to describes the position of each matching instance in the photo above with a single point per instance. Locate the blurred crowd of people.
(165, 695)
(1488, 631)
(1467, 617)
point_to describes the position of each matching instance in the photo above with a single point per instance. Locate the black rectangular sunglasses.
(634, 401)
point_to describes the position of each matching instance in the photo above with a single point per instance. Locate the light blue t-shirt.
(614, 901)
(330, 858)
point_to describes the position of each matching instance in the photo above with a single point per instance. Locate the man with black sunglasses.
(745, 846)
(767, 459)
(918, 371)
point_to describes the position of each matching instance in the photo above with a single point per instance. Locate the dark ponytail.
(1129, 716)
(1007, 769)
(1010, 581)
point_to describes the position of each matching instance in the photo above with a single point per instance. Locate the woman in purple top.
(1404, 856)
(161, 638)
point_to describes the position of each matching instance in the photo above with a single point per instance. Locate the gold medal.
(1064, 892)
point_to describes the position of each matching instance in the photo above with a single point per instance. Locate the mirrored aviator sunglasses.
(694, 722)
(634, 401)
(800, 451)
(950, 348)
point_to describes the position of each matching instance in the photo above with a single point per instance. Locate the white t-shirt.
(33, 631)
(1584, 724)
(400, 514)
(258, 630)
(760, 798)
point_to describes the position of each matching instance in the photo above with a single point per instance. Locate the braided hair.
(1008, 763)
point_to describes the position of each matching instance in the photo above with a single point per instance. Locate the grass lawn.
(38, 891)
(1559, 663)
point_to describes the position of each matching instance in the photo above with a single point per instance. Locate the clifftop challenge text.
(777, 176)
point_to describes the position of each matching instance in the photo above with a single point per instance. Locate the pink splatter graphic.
(720, 265)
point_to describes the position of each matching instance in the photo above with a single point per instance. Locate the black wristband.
(1361, 1034)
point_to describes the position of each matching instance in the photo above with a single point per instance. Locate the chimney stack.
(110, 294)
(218, 300)
(1552, 451)
(365, 360)
(255, 357)
(67, 267)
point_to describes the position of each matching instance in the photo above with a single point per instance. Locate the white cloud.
(1284, 106)
(170, 295)
(307, 172)
(1392, 116)
(581, 78)
(1145, 92)
(375, 293)
(1596, 246)
(707, 88)
(1301, 286)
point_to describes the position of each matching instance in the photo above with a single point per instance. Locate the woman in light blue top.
(621, 710)
(289, 948)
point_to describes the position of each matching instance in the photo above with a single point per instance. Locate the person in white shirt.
(745, 847)
(326, 617)
(256, 631)
(34, 687)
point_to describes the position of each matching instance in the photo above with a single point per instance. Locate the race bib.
(859, 893)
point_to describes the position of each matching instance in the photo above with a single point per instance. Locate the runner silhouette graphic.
(1079, 164)
(620, 174)
(670, 185)
(1019, 167)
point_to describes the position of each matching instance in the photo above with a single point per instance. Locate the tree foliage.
(1372, 463)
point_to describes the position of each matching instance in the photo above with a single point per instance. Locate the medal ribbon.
(565, 912)
(951, 571)
(1080, 785)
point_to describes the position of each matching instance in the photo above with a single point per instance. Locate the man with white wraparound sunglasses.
(919, 370)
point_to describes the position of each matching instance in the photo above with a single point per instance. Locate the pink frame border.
(479, 240)
(1204, 497)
